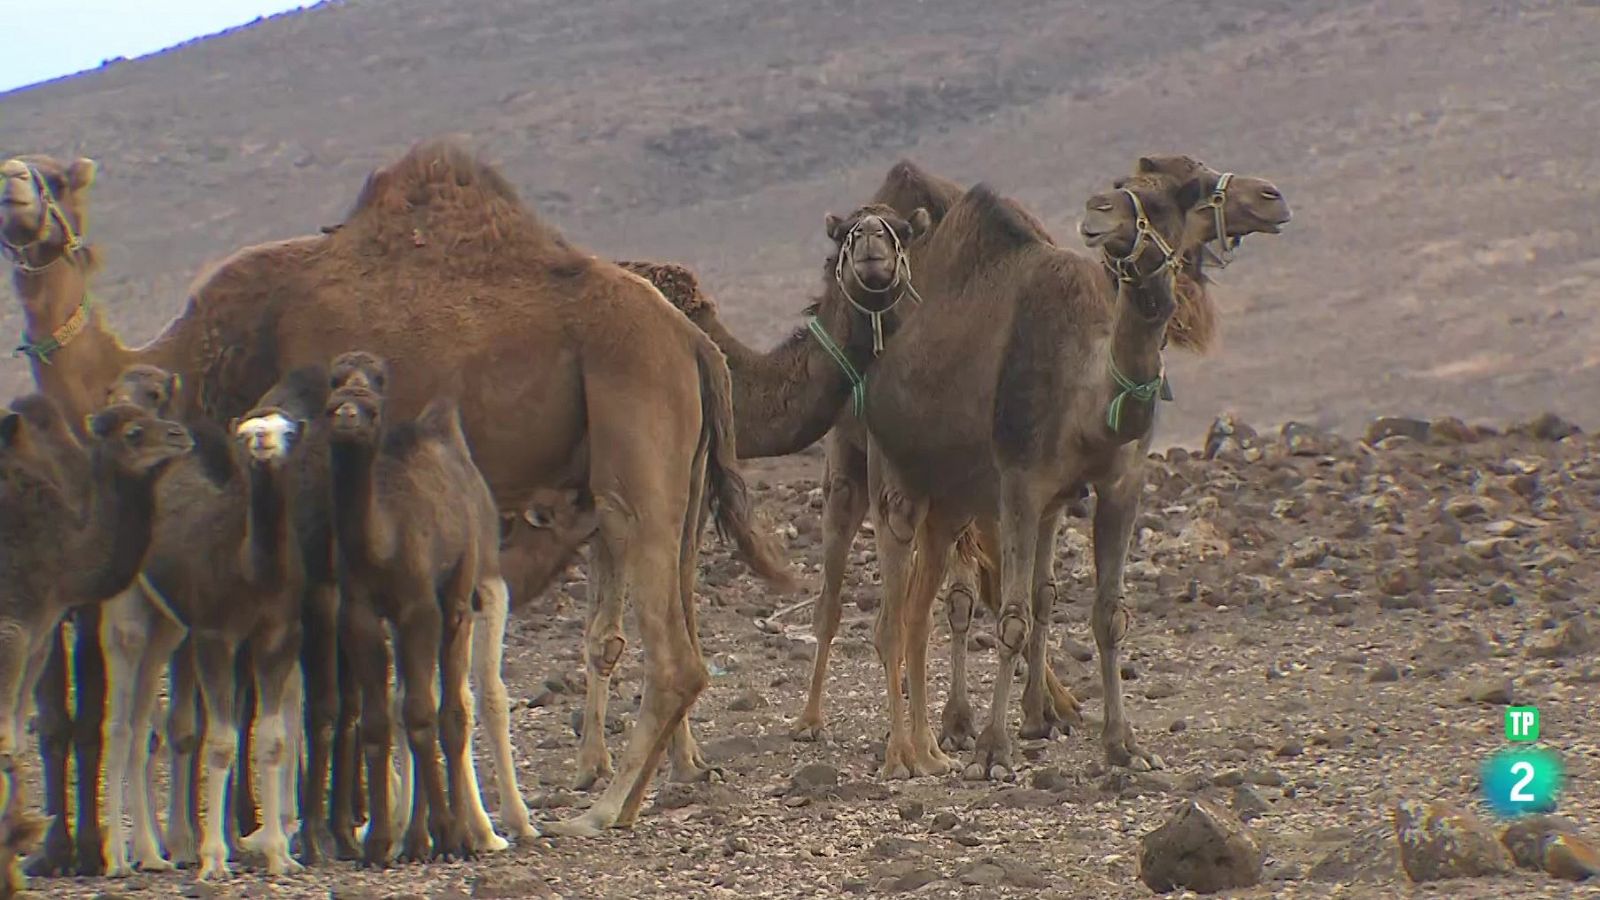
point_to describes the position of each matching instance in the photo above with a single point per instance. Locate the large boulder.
(1203, 848)
(1438, 840)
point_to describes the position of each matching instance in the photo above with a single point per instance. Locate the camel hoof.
(490, 843)
(895, 772)
(1045, 731)
(119, 869)
(584, 825)
(956, 743)
(808, 732)
(588, 777)
(155, 864)
(698, 774)
(55, 859)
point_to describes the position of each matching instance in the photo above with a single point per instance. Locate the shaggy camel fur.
(224, 572)
(416, 531)
(440, 269)
(43, 216)
(1057, 385)
(68, 542)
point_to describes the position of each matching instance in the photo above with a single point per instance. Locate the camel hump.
(909, 186)
(677, 283)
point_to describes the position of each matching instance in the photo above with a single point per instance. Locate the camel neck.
(786, 399)
(111, 545)
(351, 469)
(72, 355)
(266, 544)
(1135, 370)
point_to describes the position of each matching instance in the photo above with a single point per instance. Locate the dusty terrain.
(1315, 624)
(1438, 155)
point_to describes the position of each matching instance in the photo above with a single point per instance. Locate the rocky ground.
(1324, 629)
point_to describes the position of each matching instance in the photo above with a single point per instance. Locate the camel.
(224, 572)
(20, 831)
(69, 544)
(542, 542)
(43, 216)
(440, 269)
(416, 530)
(1057, 386)
(865, 279)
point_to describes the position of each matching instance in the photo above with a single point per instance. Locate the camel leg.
(165, 638)
(957, 731)
(603, 646)
(1038, 705)
(494, 706)
(418, 656)
(928, 566)
(899, 519)
(455, 652)
(1021, 512)
(345, 781)
(688, 763)
(362, 638)
(403, 784)
(320, 664)
(55, 733)
(183, 748)
(241, 790)
(274, 652)
(89, 682)
(1116, 509)
(215, 654)
(642, 535)
(130, 644)
(844, 507)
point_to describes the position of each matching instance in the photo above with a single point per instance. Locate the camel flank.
(441, 270)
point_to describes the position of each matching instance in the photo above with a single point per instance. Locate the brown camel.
(20, 831)
(865, 279)
(542, 542)
(225, 573)
(69, 544)
(416, 530)
(1040, 382)
(440, 269)
(42, 219)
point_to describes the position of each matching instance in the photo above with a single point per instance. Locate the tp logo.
(1525, 780)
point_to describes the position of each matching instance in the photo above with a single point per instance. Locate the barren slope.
(1439, 156)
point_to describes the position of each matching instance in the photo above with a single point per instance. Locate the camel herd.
(381, 434)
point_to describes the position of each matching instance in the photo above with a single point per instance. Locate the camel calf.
(417, 534)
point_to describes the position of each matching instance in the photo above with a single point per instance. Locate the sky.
(58, 38)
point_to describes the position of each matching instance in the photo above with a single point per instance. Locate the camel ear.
(1118, 182)
(233, 426)
(538, 518)
(80, 174)
(507, 524)
(834, 226)
(921, 220)
(1189, 195)
(300, 426)
(1146, 166)
(10, 426)
(96, 425)
(174, 384)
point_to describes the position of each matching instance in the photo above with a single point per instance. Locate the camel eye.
(1271, 194)
(133, 432)
(1102, 207)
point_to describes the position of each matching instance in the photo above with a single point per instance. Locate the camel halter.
(73, 326)
(1123, 267)
(1224, 252)
(902, 279)
(52, 210)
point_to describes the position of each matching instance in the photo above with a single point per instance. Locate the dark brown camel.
(69, 544)
(416, 530)
(1053, 385)
(224, 572)
(441, 270)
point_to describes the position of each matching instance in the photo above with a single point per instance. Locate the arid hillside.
(1439, 155)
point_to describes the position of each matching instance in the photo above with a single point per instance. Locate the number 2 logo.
(1525, 769)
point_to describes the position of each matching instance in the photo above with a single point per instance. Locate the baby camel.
(417, 532)
(73, 530)
(225, 572)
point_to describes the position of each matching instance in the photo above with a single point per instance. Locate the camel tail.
(728, 494)
(970, 551)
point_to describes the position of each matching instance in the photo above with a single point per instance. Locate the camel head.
(268, 434)
(43, 208)
(870, 253)
(137, 442)
(358, 369)
(1136, 227)
(148, 387)
(1232, 206)
(355, 415)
